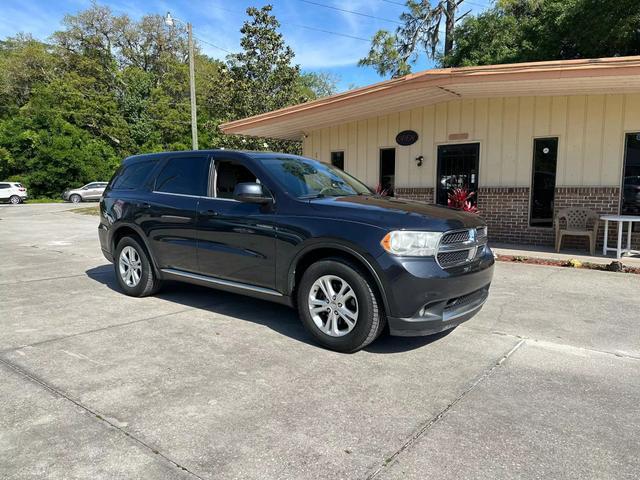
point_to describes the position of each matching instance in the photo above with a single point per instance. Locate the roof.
(561, 77)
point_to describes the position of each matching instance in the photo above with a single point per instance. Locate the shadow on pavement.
(279, 318)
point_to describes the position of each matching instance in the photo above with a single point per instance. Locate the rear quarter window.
(132, 176)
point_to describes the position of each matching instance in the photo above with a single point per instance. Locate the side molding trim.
(219, 281)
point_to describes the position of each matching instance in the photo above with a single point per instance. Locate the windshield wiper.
(312, 195)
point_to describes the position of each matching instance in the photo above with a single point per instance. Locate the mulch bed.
(614, 266)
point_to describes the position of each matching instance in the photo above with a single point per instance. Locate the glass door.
(457, 168)
(387, 170)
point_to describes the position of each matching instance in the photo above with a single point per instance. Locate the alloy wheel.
(333, 305)
(130, 266)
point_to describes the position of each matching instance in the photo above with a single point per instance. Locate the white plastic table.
(620, 219)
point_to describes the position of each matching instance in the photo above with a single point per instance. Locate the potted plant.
(460, 198)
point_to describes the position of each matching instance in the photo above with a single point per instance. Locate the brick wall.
(423, 194)
(506, 211)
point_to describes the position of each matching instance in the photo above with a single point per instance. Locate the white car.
(12, 192)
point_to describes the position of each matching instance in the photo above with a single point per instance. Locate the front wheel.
(134, 270)
(75, 198)
(338, 306)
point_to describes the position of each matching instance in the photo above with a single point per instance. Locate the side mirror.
(250, 193)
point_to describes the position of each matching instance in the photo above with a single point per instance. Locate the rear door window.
(132, 176)
(184, 176)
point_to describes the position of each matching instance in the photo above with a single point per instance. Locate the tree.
(317, 85)
(263, 75)
(106, 87)
(537, 30)
(419, 33)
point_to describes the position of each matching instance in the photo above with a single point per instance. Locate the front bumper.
(423, 299)
(440, 316)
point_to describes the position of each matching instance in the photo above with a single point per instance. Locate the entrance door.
(387, 169)
(457, 167)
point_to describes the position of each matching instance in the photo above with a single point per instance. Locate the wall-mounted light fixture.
(419, 160)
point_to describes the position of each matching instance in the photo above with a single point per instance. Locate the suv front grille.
(449, 259)
(461, 246)
(455, 237)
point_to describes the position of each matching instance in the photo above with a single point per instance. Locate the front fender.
(351, 250)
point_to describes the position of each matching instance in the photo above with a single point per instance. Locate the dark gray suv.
(299, 232)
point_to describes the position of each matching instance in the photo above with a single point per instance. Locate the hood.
(392, 213)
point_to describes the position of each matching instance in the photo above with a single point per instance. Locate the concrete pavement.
(195, 383)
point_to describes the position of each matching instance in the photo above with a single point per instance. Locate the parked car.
(298, 232)
(91, 191)
(12, 192)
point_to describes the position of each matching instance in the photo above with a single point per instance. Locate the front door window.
(457, 168)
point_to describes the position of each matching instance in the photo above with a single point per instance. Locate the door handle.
(208, 213)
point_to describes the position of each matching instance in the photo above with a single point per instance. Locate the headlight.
(411, 244)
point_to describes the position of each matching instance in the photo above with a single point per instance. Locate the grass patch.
(93, 210)
(44, 200)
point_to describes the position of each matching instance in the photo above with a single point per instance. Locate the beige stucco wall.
(590, 129)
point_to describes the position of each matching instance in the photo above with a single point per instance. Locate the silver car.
(91, 191)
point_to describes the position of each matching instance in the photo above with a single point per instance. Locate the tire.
(15, 199)
(339, 335)
(138, 279)
(75, 198)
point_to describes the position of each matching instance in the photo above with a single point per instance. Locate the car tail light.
(22, 189)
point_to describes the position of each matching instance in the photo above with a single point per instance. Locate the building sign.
(407, 137)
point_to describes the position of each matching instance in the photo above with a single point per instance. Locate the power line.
(330, 32)
(213, 45)
(353, 12)
(306, 27)
(475, 4)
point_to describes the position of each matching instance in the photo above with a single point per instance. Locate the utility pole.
(192, 90)
(170, 21)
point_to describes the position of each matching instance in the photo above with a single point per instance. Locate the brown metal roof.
(563, 77)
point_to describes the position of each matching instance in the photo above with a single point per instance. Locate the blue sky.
(218, 22)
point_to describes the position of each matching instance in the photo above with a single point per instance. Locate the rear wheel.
(15, 199)
(134, 270)
(338, 306)
(75, 198)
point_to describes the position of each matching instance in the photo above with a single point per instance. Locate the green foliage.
(419, 33)
(537, 30)
(263, 76)
(107, 87)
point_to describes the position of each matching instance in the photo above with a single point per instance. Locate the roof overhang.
(564, 77)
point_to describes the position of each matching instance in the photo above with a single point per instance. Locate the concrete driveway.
(195, 383)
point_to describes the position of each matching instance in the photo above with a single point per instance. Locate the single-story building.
(527, 138)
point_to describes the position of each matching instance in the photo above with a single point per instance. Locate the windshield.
(306, 178)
